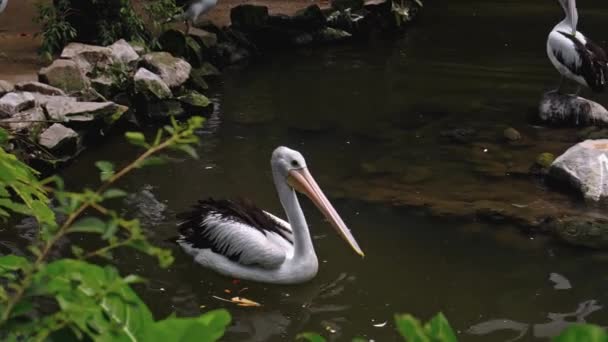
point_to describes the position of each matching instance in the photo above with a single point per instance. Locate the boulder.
(64, 74)
(584, 167)
(195, 103)
(511, 134)
(311, 18)
(174, 42)
(5, 87)
(197, 80)
(13, 103)
(207, 39)
(194, 52)
(38, 87)
(59, 139)
(72, 111)
(88, 57)
(207, 69)
(557, 108)
(172, 70)
(123, 52)
(587, 231)
(330, 35)
(248, 16)
(104, 85)
(29, 120)
(150, 85)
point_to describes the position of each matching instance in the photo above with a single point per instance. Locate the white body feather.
(566, 48)
(3, 4)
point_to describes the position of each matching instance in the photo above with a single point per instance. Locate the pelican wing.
(582, 57)
(237, 230)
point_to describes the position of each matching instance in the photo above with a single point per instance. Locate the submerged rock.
(172, 70)
(38, 87)
(511, 134)
(557, 108)
(196, 103)
(59, 139)
(5, 87)
(64, 74)
(150, 85)
(585, 168)
(585, 231)
(13, 103)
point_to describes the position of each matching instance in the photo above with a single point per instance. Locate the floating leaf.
(241, 301)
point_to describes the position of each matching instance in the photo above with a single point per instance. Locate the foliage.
(56, 30)
(40, 297)
(159, 14)
(438, 329)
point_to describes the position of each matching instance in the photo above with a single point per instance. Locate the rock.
(64, 74)
(511, 134)
(5, 87)
(88, 57)
(38, 87)
(59, 139)
(194, 52)
(230, 53)
(172, 70)
(29, 120)
(104, 85)
(174, 42)
(197, 80)
(248, 16)
(163, 110)
(545, 160)
(556, 108)
(123, 52)
(342, 5)
(592, 132)
(585, 168)
(13, 103)
(207, 39)
(207, 69)
(331, 35)
(68, 111)
(585, 231)
(139, 47)
(150, 85)
(195, 103)
(311, 18)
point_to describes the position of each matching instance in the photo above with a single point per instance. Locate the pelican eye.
(294, 163)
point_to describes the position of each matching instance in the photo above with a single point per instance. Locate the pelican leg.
(187, 27)
(578, 90)
(560, 85)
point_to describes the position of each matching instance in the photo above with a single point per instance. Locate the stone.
(88, 57)
(13, 103)
(511, 134)
(587, 231)
(248, 16)
(59, 138)
(68, 111)
(123, 52)
(557, 108)
(197, 80)
(28, 120)
(172, 70)
(64, 74)
(311, 18)
(331, 35)
(195, 103)
(174, 42)
(5, 87)
(151, 85)
(207, 39)
(584, 167)
(104, 85)
(545, 160)
(194, 52)
(38, 87)
(342, 5)
(162, 110)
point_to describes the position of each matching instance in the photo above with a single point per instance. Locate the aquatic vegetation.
(43, 296)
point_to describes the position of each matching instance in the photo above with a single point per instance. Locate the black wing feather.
(594, 66)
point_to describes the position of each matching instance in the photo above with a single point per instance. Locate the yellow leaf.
(240, 301)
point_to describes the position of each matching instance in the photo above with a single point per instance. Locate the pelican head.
(291, 167)
(569, 7)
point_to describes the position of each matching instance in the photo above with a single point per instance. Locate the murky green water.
(470, 63)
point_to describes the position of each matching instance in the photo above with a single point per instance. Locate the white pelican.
(193, 9)
(242, 241)
(573, 55)
(3, 4)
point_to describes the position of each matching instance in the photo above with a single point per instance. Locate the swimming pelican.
(573, 55)
(193, 9)
(239, 240)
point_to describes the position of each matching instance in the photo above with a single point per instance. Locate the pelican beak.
(302, 181)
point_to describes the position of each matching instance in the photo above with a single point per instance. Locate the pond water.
(375, 110)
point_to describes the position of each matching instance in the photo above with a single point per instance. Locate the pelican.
(192, 10)
(239, 240)
(573, 55)
(3, 4)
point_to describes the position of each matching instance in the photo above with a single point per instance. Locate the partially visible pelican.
(3, 4)
(573, 55)
(192, 10)
(239, 240)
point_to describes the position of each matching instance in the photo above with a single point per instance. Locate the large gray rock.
(13, 103)
(569, 109)
(29, 120)
(64, 74)
(38, 87)
(151, 85)
(123, 52)
(585, 168)
(66, 110)
(88, 57)
(172, 70)
(59, 138)
(5, 87)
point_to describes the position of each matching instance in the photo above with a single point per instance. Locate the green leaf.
(189, 150)
(439, 329)
(206, 328)
(89, 225)
(153, 161)
(12, 263)
(114, 193)
(3, 136)
(310, 337)
(106, 168)
(136, 138)
(582, 332)
(411, 329)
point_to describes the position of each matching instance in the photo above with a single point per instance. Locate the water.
(367, 117)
